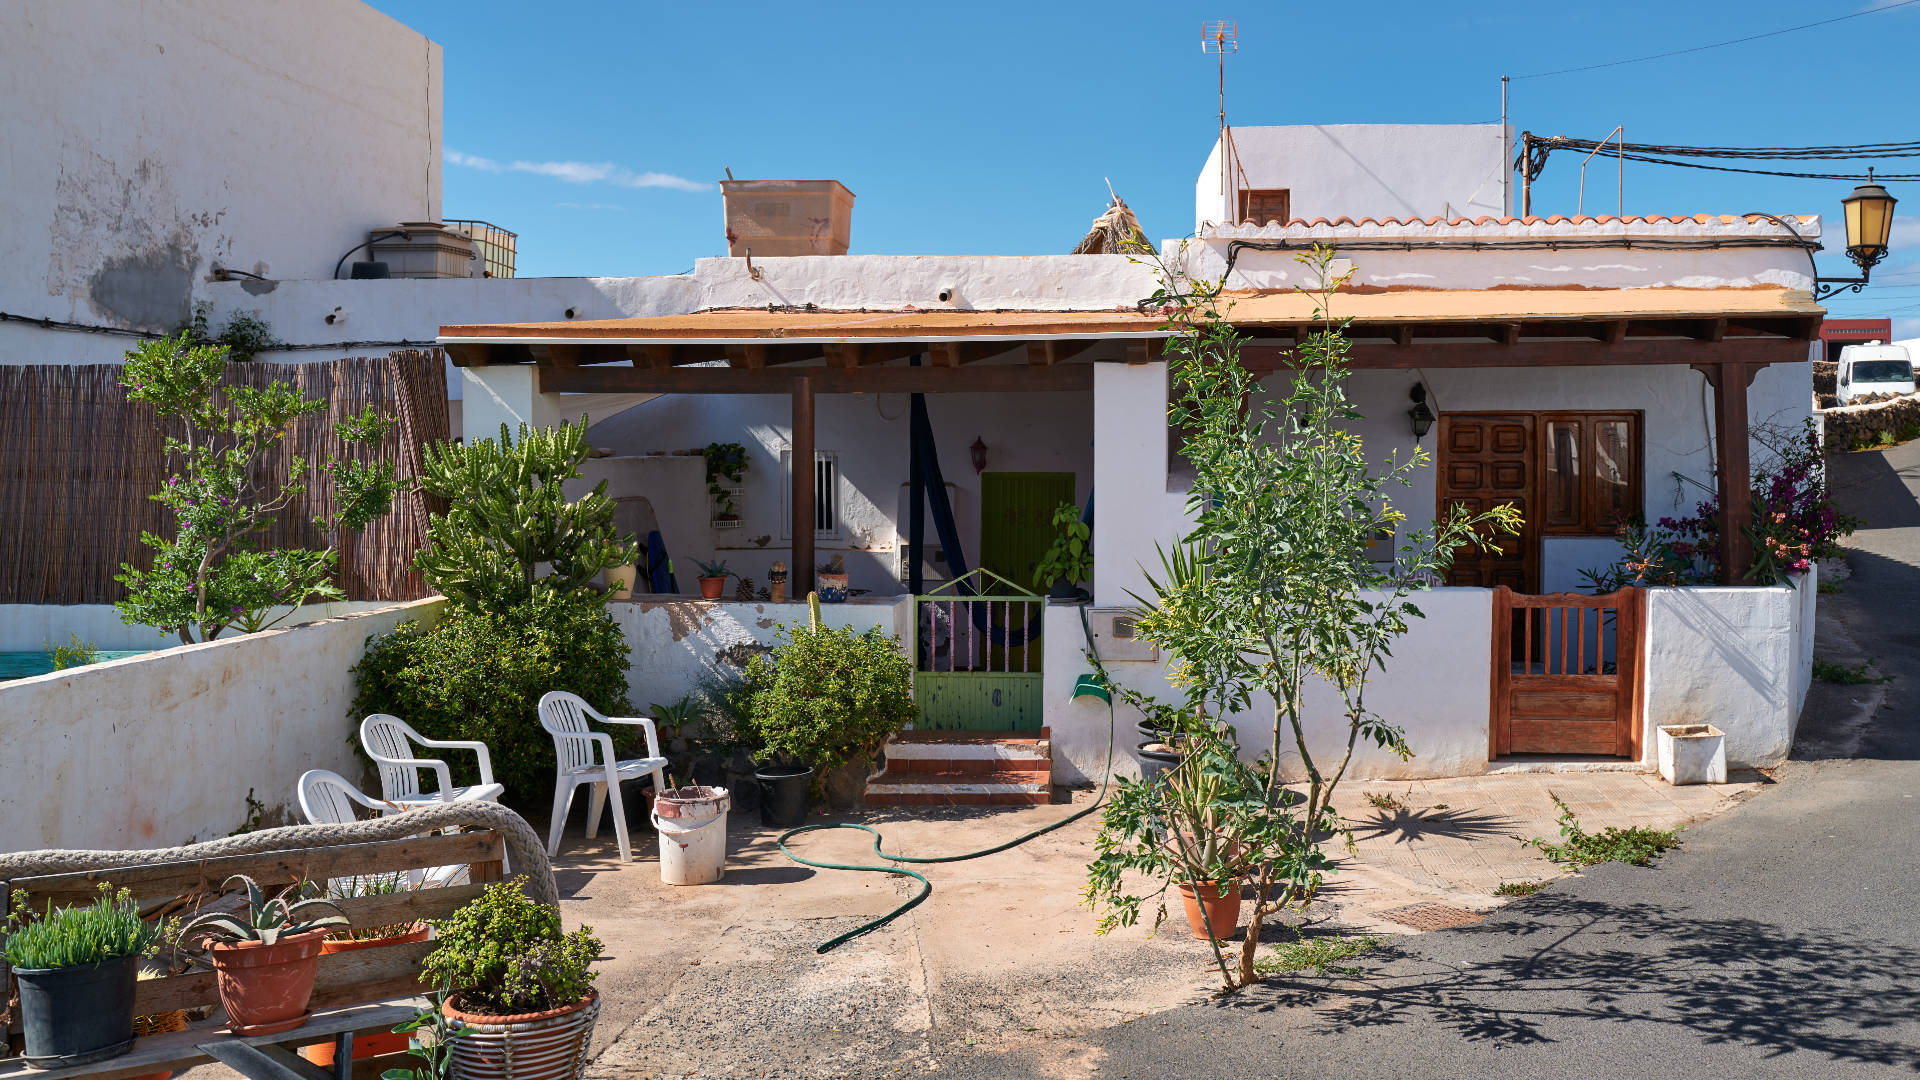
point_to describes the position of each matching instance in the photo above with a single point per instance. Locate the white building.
(152, 145)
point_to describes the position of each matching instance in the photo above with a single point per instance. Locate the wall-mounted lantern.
(1869, 216)
(1420, 416)
(978, 451)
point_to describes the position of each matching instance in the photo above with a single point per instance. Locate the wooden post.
(1734, 470)
(916, 502)
(800, 574)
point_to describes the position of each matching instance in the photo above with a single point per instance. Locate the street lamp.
(1869, 217)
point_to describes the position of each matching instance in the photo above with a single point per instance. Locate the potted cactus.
(265, 958)
(713, 578)
(522, 990)
(76, 970)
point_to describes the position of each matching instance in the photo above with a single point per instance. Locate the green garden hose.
(926, 887)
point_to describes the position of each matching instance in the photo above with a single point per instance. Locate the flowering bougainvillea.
(1795, 522)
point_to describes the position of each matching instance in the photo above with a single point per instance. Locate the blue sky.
(596, 130)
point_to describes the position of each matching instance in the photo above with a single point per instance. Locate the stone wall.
(1850, 426)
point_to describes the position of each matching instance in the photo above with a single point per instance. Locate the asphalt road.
(1782, 939)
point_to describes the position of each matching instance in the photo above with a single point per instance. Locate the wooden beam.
(1572, 352)
(556, 355)
(1507, 334)
(979, 379)
(464, 355)
(1733, 470)
(1144, 350)
(1055, 351)
(800, 573)
(1614, 332)
(749, 357)
(657, 357)
(843, 357)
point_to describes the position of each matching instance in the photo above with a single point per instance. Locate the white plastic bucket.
(692, 823)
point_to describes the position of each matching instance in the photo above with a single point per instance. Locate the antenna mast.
(1222, 37)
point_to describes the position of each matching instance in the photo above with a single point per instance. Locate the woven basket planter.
(530, 1046)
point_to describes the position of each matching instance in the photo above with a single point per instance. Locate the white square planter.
(1693, 754)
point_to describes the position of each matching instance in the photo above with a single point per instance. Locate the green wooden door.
(1016, 521)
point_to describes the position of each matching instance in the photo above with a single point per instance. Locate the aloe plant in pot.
(265, 957)
(76, 969)
(713, 578)
(522, 989)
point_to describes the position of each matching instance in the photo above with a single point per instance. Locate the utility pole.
(1506, 155)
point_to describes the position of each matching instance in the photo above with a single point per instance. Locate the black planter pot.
(1155, 763)
(783, 795)
(1063, 590)
(1152, 734)
(77, 1015)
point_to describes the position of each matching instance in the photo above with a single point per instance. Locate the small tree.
(213, 573)
(508, 516)
(1273, 589)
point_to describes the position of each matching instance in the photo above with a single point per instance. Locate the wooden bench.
(363, 990)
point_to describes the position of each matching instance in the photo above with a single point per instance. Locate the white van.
(1873, 368)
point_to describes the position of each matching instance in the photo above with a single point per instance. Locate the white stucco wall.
(32, 627)
(158, 750)
(1737, 658)
(1377, 170)
(677, 642)
(1435, 685)
(149, 141)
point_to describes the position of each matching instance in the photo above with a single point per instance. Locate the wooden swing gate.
(1567, 673)
(977, 657)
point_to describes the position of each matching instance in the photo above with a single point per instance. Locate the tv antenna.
(1222, 37)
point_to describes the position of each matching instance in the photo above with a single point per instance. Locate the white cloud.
(580, 172)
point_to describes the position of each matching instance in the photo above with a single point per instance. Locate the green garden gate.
(977, 658)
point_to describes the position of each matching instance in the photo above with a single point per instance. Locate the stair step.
(965, 768)
(1010, 738)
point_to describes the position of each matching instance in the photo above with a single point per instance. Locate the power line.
(1720, 44)
(1535, 149)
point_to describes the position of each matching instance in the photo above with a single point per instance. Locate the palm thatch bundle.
(1113, 233)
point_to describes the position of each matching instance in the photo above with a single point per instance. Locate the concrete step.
(964, 768)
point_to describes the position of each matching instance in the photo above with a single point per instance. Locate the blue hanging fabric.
(659, 567)
(921, 432)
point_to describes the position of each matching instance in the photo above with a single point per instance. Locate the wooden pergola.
(1728, 334)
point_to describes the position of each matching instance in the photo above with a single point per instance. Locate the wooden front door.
(1566, 673)
(1016, 521)
(1485, 461)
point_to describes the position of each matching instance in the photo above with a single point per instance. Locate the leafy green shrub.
(1070, 557)
(107, 929)
(506, 954)
(76, 653)
(508, 516)
(826, 695)
(477, 674)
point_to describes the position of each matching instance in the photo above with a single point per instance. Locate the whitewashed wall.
(32, 627)
(1436, 685)
(678, 642)
(161, 749)
(1738, 658)
(149, 141)
(1355, 170)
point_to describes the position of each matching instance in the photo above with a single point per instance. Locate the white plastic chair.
(586, 757)
(390, 742)
(327, 798)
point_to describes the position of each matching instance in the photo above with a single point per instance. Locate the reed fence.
(78, 462)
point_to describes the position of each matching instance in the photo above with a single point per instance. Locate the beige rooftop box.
(787, 217)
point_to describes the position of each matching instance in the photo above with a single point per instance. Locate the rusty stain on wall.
(684, 617)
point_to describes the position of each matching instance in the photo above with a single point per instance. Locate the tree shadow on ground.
(1572, 962)
(1409, 826)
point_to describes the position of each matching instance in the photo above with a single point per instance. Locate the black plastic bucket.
(77, 1015)
(1155, 763)
(783, 795)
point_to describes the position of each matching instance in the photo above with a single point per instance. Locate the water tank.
(787, 217)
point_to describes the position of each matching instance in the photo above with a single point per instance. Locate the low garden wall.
(33, 627)
(162, 749)
(1738, 658)
(678, 641)
(1850, 427)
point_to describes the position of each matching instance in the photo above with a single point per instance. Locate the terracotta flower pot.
(549, 1045)
(711, 588)
(265, 988)
(1222, 901)
(376, 1043)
